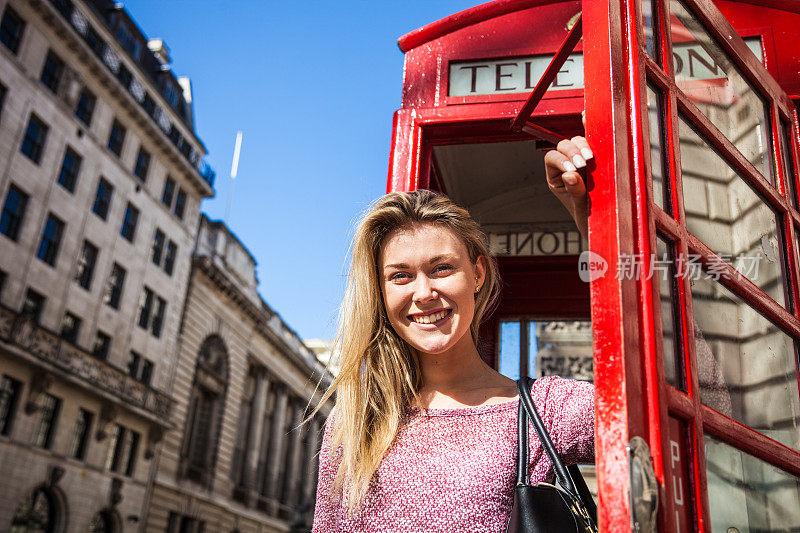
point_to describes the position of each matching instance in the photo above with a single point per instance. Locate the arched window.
(38, 513)
(206, 407)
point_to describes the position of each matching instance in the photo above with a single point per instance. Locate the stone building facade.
(239, 457)
(100, 187)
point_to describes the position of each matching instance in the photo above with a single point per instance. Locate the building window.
(11, 29)
(10, 392)
(80, 434)
(158, 317)
(116, 137)
(139, 368)
(124, 76)
(128, 230)
(145, 308)
(51, 240)
(85, 108)
(102, 346)
(180, 203)
(128, 41)
(158, 247)
(114, 288)
(179, 523)
(169, 192)
(204, 417)
(169, 261)
(102, 200)
(171, 93)
(123, 446)
(33, 305)
(13, 212)
(70, 166)
(52, 71)
(47, 421)
(35, 137)
(70, 328)
(3, 93)
(142, 164)
(86, 264)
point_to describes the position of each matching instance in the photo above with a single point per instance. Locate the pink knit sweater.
(453, 470)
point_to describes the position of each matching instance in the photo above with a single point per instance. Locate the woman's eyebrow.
(395, 265)
(440, 257)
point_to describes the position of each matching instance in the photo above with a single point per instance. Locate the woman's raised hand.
(564, 178)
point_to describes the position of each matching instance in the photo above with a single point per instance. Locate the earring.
(478, 288)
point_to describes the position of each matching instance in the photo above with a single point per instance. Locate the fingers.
(577, 150)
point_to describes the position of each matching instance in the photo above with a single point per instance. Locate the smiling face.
(429, 286)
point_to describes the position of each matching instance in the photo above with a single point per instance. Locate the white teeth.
(430, 319)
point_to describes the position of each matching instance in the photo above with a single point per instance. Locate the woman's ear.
(480, 271)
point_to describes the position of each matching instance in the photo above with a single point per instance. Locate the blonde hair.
(379, 375)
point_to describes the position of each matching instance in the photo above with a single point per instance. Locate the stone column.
(277, 443)
(309, 487)
(294, 471)
(254, 435)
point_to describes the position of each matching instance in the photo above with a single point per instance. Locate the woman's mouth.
(431, 318)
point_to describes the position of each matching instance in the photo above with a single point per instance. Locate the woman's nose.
(424, 289)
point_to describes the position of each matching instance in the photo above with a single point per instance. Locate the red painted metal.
(549, 75)
(633, 397)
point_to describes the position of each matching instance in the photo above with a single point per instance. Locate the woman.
(423, 433)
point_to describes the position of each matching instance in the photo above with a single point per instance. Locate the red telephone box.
(695, 301)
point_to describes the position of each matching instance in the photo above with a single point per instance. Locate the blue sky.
(313, 86)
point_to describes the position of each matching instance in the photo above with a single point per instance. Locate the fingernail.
(570, 180)
(586, 153)
(579, 161)
(569, 167)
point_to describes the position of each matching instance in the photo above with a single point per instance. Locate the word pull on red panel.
(679, 487)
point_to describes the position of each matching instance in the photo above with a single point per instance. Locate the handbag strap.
(526, 402)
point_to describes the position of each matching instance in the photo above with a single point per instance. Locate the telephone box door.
(693, 232)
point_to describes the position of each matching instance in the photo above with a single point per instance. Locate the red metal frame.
(633, 397)
(522, 120)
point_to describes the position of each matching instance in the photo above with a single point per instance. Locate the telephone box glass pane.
(746, 494)
(561, 348)
(664, 269)
(650, 26)
(724, 212)
(705, 73)
(655, 114)
(746, 365)
(788, 163)
(508, 363)
(553, 348)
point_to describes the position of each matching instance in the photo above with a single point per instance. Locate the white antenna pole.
(234, 170)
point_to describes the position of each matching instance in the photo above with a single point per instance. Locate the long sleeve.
(567, 410)
(325, 509)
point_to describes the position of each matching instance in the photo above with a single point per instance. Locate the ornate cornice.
(22, 337)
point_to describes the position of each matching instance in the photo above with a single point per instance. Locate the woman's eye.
(398, 276)
(442, 269)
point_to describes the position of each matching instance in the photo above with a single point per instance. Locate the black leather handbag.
(544, 507)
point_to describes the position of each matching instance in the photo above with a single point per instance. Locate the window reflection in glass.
(658, 170)
(746, 365)
(664, 270)
(650, 27)
(788, 163)
(724, 212)
(748, 494)
(551, 347)
(705, 73)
